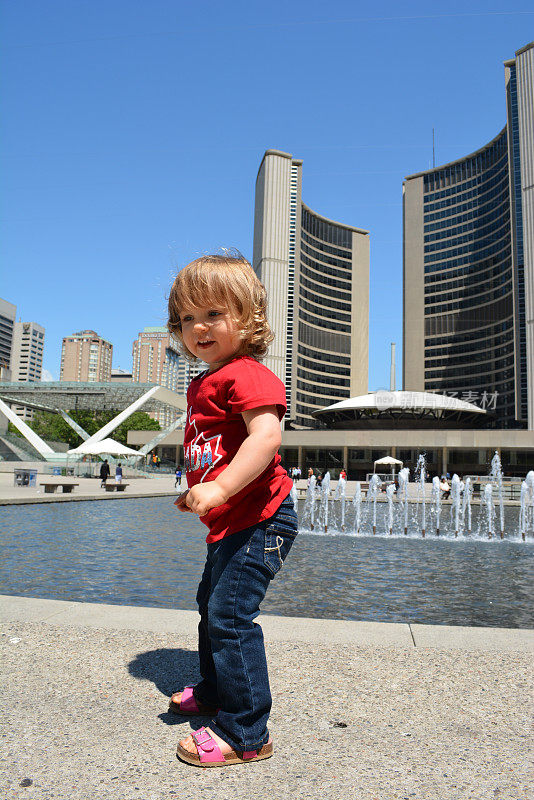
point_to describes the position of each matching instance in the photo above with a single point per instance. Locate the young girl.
(217, 309)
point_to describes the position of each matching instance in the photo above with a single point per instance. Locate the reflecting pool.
(143, 552)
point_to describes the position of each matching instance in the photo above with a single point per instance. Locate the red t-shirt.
(214, 432)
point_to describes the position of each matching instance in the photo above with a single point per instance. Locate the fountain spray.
(404, 477)
(390, 491)
(468, 491)
(436, 495)
(496, 476)
(295, 498)
(309, 505)
(490, 510)
(325, 491)
(527, 504)
(374, 483)
(357, 503)
(421, 471)
(455, 496)
(340, 495)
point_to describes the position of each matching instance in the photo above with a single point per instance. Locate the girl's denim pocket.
(280, 534)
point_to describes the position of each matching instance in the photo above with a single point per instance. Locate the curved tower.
(316, 272)
(467, 277)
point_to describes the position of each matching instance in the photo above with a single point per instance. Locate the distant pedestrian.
(118, 474)
(310, 475)
(104, 473)
(178, 477)
(445, 489)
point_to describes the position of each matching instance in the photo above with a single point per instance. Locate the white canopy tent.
(388, 461)
(105, 447)
(108, 447)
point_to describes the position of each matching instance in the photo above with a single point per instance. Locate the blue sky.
(133, 132)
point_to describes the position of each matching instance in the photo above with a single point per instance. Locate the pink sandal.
(209, 753)
(189, 706)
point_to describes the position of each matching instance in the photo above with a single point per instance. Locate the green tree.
(138, 421)
(54, 428)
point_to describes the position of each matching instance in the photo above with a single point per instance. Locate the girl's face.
(210, 334)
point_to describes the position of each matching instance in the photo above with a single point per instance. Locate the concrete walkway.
(363, 711)
(87, 489)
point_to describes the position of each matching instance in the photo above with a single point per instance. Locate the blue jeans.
(233, 666)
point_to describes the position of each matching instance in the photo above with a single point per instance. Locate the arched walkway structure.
(62, 396)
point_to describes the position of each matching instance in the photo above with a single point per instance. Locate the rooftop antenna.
(392, 369)
(433, 150)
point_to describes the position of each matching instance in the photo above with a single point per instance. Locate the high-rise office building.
(8, 313)
(316, 273)
(27, 357)
(27, 353)
(156, 360)
(86, 357)
(469, 267)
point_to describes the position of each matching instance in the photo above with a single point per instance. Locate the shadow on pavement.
(169, 669)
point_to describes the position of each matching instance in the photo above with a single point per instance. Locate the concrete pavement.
(87, 489)
(370, 711)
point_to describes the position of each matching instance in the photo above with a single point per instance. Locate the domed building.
(401, 410)
(455, 436)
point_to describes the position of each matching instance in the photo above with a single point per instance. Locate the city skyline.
(136, 165)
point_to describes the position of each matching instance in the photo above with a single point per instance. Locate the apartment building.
(86, 358)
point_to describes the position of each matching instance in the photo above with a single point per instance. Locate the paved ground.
(87, 489)
(364, 711)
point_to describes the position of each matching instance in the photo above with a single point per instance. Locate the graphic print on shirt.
(202, 451)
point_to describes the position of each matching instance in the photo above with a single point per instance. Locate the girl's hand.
(181, 501)
(201, 498)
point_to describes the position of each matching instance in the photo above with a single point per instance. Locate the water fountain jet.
(372, 495)
(357, 503)
(325, 492)
(421, 471)
(404, 477)
(496, 476)
(340, 495)
(455, 496)
(390, 491)
(490, 510)
(436, 494)
(466, 507)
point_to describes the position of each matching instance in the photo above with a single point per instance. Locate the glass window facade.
(519, 257)
(468, 278)
(325, 312)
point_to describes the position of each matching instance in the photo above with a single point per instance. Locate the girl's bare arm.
(254, 455)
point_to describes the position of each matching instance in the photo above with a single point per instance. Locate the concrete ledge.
(276, 629)
(71, 497)
(465, 638)
(335, 631)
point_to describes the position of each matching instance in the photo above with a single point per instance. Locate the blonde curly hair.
(229, 281)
